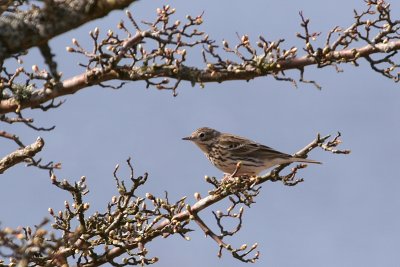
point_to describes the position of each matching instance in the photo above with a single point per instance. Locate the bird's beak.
(189, 138)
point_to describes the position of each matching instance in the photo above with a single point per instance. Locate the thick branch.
(21, 155)
(97, 75)
(22, 30)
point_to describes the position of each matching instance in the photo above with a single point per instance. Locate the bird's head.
(203, 136)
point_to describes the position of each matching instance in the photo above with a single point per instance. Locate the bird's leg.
(238, 165)
(228, 176)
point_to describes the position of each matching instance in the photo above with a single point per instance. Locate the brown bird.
(226, 150)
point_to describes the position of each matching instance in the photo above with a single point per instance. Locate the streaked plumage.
(226, 150)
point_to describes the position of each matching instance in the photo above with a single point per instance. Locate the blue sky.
(344, 214)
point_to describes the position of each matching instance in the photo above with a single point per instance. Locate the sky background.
(346, 213)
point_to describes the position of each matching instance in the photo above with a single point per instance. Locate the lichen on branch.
(156, 52)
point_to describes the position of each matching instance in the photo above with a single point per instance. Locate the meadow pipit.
(226, 150)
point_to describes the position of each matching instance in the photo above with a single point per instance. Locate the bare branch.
(70, 15)
(48, 57)
(96, 76)
(159, 53)
(13, 137)
(130, 221)
(15, 120)
(193, 210)
(21, 155)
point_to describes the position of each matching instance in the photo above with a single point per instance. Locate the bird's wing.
(236, 144)
(244, 147)
(269, 152)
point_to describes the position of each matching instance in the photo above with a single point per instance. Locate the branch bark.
(23, 30)
(192, 74)
(21, 155)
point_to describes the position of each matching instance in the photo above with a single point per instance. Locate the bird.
(226, 150)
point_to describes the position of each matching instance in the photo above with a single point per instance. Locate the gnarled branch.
(22, 30)
(21, 155)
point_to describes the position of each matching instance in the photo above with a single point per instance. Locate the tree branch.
(199, 206)
(21, 155)
(26, 29)
(134, 59)
(191, 74)
(131, 221)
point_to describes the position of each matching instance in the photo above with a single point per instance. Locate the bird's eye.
(201, 135)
